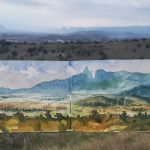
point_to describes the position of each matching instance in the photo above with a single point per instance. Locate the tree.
(48, 115)
(20, 116)
(59, 116)
(3, 116)
(124, 116)
(96, 116)
(14, 53)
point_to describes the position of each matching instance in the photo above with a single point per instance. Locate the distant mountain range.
(97, 33)
(122, 83)
(82, 34)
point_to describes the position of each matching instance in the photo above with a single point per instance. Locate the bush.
(138, 45)
(20, 116)
(40, 117)
(147, 45)
(124, 116)
(69, 123)
(4, 49)
(59, 116)
(3, 116)
(14, 53)
(48, 115)
(62, 127)
(96, 116)
(143, 116)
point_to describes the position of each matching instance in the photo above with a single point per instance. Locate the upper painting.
(87, 96)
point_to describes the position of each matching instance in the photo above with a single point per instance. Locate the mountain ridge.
(103, 82)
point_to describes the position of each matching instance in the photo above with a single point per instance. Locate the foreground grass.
(75, 141)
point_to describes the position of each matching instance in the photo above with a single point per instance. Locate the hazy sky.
(46, 14)
(25, 74)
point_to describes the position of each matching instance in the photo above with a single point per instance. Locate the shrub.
(124, 116)
(147, 45)
(96, 116)
(14, 53)
(4, 49)
(59, 116)
(62, 127)
(48, 115)
(31, 50)
(20, 116)
(3, 116)
(40, 117)
(138, 45)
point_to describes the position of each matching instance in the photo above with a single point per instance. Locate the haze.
(45, 15)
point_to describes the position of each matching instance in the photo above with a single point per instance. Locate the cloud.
(22, 2)
(41, 14)
(3, 68)
(113, 65)
(71, 71)
(51, 72)
(30, 72)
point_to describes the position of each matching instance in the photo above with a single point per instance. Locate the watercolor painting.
(87, 96)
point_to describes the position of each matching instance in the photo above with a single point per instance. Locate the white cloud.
(30, 72)
(3, 68)
(71, 71)
(51, 72)
(40, 14)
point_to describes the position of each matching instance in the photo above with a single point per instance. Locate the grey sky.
(47, 14)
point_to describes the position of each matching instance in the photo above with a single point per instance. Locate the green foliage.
(14, 53)
(97, 101)
(143, 116)
(48, 115)
(20, 116)
(138, 109)
(96, 116)
(3, 116)
(40, 117)
(69, 122)
(59, 116)
(124, 116)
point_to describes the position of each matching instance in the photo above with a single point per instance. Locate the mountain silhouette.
(103, 82)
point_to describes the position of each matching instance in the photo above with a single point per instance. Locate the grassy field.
(75, 141)
(83, 118)
(92, 114)
(132, 49)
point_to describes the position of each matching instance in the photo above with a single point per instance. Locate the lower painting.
(85, 96)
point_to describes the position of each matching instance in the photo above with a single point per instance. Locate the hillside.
(96, 101)
(138, 91)
(125, 49)
(122, 83)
